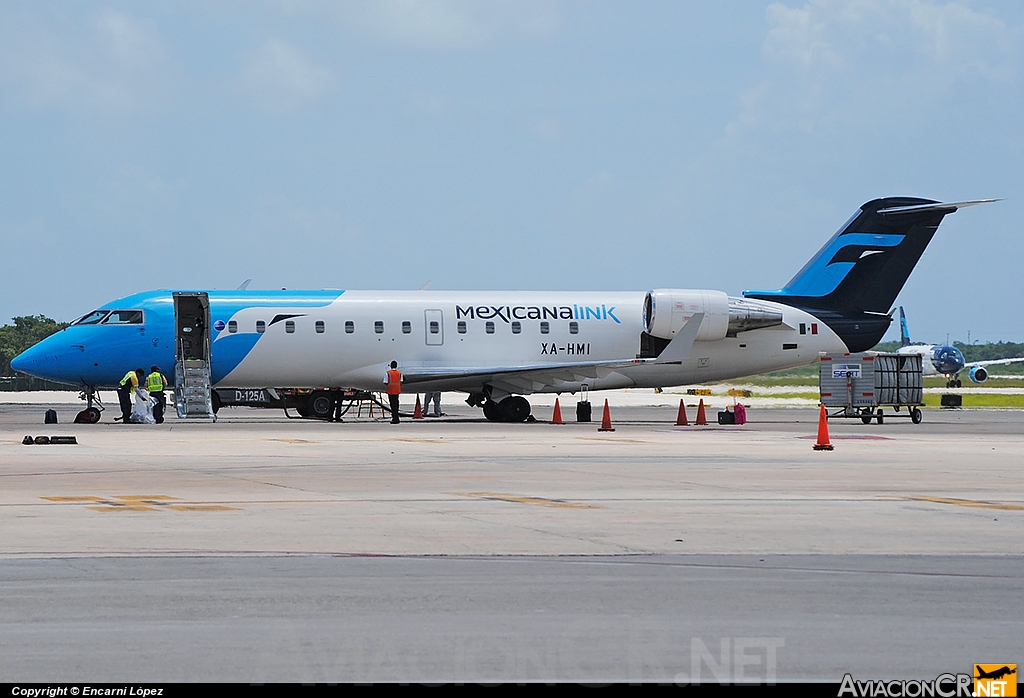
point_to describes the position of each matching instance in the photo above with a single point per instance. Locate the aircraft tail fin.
(852, 282)
(904, 330)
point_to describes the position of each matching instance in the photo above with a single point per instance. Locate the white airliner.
(945, 360)
(498, 346)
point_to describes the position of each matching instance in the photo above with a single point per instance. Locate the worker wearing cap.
(393, 381)
(126, 389)
(155, 384)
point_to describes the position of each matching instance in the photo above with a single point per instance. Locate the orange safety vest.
(394, 381)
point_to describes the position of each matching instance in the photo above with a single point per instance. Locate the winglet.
(679, 348)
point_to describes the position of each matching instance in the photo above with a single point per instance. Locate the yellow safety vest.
(130, 376)
(154, 382)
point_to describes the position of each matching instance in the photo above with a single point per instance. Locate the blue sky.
(519, 145)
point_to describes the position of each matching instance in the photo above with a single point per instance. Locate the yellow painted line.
(968, 503)
(145, 497)
(420, 441)
(200, 507)
(114, 506)
(516, 499)
(138, 502)
(294, 441)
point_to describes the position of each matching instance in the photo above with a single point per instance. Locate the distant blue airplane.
(944, 360)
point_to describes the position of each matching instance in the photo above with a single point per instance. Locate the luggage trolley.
(859, 385)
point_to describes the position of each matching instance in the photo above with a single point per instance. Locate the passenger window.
(406, 327)
(232, 326)
(574, 327)
(545, 327)
(261, 326)
(435, 327)
(489, 327)
(124, 317)
(517, 327)
(319, 326)
(378, 327)
(462, 327)
(289, 326)
(350, 327)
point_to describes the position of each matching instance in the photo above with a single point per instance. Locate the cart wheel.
(916, 416)
(879, 415)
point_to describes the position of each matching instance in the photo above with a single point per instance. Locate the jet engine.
(667, 310)
(978, 374)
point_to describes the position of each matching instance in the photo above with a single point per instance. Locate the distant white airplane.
(499, 346)
(945, 360)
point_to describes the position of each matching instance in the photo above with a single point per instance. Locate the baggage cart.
(860, 385)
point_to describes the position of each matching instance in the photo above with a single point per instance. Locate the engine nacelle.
(667, 310)
(978, 374)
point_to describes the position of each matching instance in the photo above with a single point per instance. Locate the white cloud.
(117, 65)
(282, 78)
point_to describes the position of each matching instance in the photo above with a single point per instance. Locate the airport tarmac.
(266, 549)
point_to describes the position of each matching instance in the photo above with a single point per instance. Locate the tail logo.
(823, 274)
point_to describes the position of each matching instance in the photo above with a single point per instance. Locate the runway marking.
(137, 502)
(294, 441)
(968, 503)
(854, 437)
(516, 499)
(420, 441)
(613, 440)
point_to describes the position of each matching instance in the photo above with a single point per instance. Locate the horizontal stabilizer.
(946, 208)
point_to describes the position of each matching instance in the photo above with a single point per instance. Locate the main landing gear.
(513, 408)
(954, 383)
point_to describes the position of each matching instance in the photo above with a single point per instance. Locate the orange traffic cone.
(606, 421)
(823, 443)
(418, 412)
(702, 419)
(681, 420)
(556, 416)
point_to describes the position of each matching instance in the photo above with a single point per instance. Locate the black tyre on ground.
(319, 405)
(916, 416)
(515, 409)
(492, 411)
(879, 413)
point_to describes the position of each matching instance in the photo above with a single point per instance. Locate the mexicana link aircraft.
(500, 346)
(941, 360)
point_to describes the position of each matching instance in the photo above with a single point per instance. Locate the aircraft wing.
(993, 362)
(536, 377)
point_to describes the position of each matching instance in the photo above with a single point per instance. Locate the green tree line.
(25, 332)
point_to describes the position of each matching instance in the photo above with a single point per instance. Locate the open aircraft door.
(192, 394)
(434, 321)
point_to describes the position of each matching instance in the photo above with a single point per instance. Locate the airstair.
(192, 382)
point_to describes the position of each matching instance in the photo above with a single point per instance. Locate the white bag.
(142, 413)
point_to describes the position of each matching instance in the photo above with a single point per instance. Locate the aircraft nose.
(37, 361)
(25, 360)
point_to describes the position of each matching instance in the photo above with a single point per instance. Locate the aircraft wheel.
(92, 415)
(879, 415)
(959, 383)
(916, 416)
(492, 411)
(319, 405)
(515, 409)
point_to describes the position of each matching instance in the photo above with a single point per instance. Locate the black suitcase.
(50, 417)
(583, 411)
(726, 417)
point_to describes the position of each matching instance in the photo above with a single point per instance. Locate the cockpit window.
(92, 318)
(124, 317)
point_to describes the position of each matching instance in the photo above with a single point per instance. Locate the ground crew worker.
(393, 381)
(128, 384)
(156, 384)
(434, 397)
